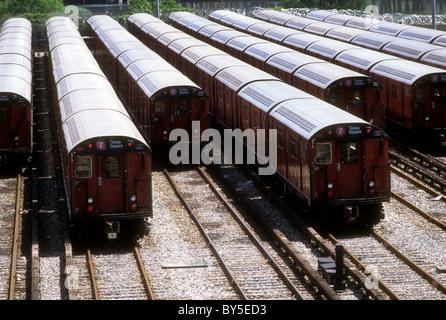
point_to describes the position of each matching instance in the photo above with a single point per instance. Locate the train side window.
(255, 119)
(394, 92)
(280, 137)
(354, 98)
(440, 94)
(84, 168)
(179, 108)
(349, 152)
(245, 113)
(110, 167)
(2, 114)
(323, 153)
(293, 147)
(160, 108)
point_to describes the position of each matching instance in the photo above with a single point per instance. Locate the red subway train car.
(334, 162)
(106, 160)
(16, 102)
(159, 96)
(412, 100)
(349, 90)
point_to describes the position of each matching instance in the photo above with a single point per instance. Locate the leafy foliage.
(149, 6)
(34, 10)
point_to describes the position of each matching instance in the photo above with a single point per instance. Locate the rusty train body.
(16, 94)
(106, 159)
(329, 158)
(414, 93)
(159, 96)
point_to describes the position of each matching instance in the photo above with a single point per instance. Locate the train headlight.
(133, 205)
(330, 192)
(371, 188)
(90, 207)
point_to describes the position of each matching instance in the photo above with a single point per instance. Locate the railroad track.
(304, 236)
(249, 266)
(386, 265)
(425, 168)
(118, 275)
(10, 196)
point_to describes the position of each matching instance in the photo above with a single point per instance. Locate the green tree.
(149, 6)
(36, 11)
(18, 7)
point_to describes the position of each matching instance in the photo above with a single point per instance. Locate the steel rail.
(15, 242)
(324, 244)
(261, 248)
(208, 240)
(326, 290)
(361, 278)
(417, 169)
(94, 285)
(144, 276)
(433, 282)
(35, 264)
(420, 211)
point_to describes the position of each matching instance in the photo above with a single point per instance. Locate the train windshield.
(179, 108)
(84, 168)
(354, 98)
(345, 98)
(160, 107)
(323, 153)
(440, 94)
(349, 152)
(110, 167)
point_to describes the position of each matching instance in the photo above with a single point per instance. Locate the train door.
(349, 169)
(18, 125)
(374, 106)
(160, 120)
(111, 179)
(180, 114)
(4, 127)
(421, 99)
(438, 111)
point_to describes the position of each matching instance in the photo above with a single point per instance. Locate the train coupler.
(351, 213)
(112, 228)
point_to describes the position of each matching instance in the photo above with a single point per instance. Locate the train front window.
(2, 114)
(179, 108)
(335, 98)
(110, 167)
(440, 94)
(421, 94)
(323, 153)
(354, 98)
(83, 167)
(349, 152)
(160, 108)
